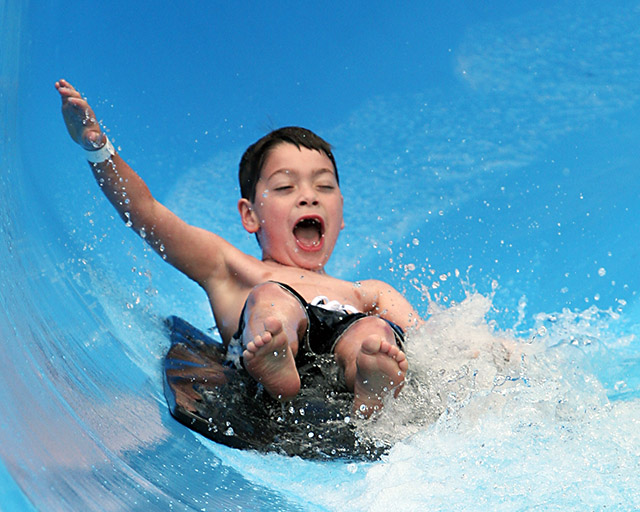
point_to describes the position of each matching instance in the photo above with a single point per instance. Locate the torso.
(227, 296)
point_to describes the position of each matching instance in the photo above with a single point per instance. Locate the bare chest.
(311, 285)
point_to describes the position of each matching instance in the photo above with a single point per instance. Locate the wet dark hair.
(254, 157)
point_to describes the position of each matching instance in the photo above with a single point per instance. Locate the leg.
(373, 364)
(274, 323)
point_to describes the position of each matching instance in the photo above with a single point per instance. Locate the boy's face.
(297, 211)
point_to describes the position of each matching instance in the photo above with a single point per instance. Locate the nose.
(307, 196)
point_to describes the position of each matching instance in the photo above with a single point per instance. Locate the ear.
(249, 219)
(342, 204)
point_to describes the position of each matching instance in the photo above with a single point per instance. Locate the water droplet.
(620, 385)
(602, 272)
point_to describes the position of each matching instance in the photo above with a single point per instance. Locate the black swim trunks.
(326, 323)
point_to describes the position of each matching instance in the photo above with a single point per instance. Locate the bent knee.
(266, 291)
(272, 294)
(271, 298)
(375, 325)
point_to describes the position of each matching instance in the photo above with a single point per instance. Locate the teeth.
(308, 232)
(314, 243)
(309, 222)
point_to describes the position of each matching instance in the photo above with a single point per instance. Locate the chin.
(314, 265)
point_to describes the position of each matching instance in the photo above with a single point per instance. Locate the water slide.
(490, 167)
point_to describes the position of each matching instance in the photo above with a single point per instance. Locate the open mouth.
(309, 233)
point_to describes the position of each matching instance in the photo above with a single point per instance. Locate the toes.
(262, 339)
(272, 326)
(396, 353)
(389, 349)
(371, 345)
(258, 342)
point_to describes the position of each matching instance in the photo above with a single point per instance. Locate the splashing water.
(515, 154)
(488, 420)
(526, 420)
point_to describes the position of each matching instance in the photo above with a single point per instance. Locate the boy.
(275, 310)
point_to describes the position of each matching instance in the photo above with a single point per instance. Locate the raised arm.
(196, 252)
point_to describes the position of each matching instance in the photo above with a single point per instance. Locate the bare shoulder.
(377, 287)
(384, 300)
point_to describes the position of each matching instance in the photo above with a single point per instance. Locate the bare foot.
(381, 368)
(269, 360)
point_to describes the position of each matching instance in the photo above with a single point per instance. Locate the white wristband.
(100, 155)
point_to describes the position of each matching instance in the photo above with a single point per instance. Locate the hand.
(79, 117)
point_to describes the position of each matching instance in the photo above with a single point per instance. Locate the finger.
(69, 92)
(65, 84)
(78, 103)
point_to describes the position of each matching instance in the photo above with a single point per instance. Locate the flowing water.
(490, 167)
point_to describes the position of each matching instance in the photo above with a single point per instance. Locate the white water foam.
(486, 420)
